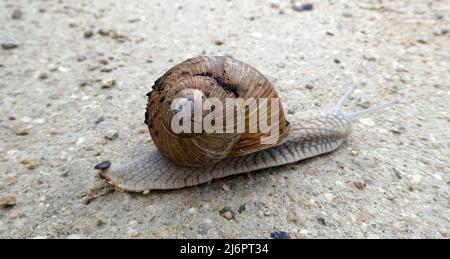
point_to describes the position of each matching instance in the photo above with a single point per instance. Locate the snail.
(182, 159)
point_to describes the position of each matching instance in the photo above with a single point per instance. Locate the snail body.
(183, 159)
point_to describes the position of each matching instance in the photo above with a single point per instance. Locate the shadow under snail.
(178, 160)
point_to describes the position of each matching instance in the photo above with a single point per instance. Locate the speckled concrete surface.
(390, 180)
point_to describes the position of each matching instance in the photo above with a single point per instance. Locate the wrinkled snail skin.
(310, 136)
(306, 135)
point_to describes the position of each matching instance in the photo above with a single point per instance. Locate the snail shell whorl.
(218, 77)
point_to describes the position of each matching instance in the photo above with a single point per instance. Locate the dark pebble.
(422, 41)
(104, 32)
(397, 173)
(9, 45)
(242, 208)
(106, 70)
(103, 165)
(280, 235)
(337, 61)
(99, 120)
(309, 86)
(88, 34)
(321, 221)
(303, 7)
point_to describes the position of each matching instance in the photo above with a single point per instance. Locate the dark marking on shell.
(157, 85)
(227, 87)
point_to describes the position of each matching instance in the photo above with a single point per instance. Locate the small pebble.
(99, 120)
(104, 32)
(146, 192)
(8, 201)
(43, 76)
(106, 70)
(8, 42)
(299, 7)
(108, 84)
(219, 42)
(337, 61)
(309, 86)
(81, 58)
(103, 165)
(111, 135)
(347, 14)
(84, 83)
(422, 41)
(88, 34)
(192, 211)
(280, 235)
(359, 184)
(396, 130)
(397, 173)
(227, 213)
(22, 132)
(29, 163)
(17, 14)
(103, 61)
(242, 208)
(321, 221)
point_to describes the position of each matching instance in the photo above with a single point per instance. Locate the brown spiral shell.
(219, 77)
